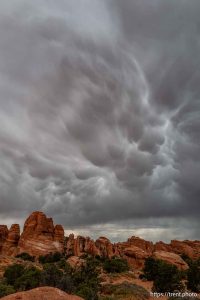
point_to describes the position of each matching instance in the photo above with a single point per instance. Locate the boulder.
(141, 243)
(171, 258)
(42, 293)
(182, 248)
(75, 261)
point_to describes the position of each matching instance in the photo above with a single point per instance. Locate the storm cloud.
(100, 115)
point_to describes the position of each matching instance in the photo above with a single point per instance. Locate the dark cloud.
(99, 110)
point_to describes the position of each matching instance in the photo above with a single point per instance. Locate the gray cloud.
(99, 110)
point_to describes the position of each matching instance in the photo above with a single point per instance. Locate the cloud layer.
(100, 115)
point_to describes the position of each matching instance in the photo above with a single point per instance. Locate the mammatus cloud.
(99, 110)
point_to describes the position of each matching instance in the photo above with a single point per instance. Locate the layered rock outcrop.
(171, 258)
(135, 250)
(40, 237)
(10, 244)
(3, 235)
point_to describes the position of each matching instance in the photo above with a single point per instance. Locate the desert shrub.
(21, 278)
(50, 258)
(185, 257)
(86, 280)
(83, 281)
(151, 267)
(64, 266)
(166, 277)
(6, 290)
(13, 272)
(51, 275)
(66, 283)
(115, 265)
(168, 280)
(193, 276)
(122, 291)
(25, 256)
(30, 279)
(87, 292)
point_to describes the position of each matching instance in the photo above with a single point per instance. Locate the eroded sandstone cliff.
(40, 237)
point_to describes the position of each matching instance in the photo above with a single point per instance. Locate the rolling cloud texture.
(100, 115)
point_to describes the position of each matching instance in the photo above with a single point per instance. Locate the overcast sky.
(100, 115)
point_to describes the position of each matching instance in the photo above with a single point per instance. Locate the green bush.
(22, 278)
(115, 265)
(6, 290)
(64, 266)
(25, 256)
(151, 267)
(83, 281)
(30, 279)
(166, 277)
(86, 280)
(123, 291)
(50, 258)
(66, 284)
(51, 275)
(13, 272)
(193, 276)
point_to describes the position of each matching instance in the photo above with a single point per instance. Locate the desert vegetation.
(167, 277)
(55, 271)
(84, 280)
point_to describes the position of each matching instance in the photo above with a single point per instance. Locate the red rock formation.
(9, 247)
(80, 245)
(160, 246)
(195, 245)
(142, 244)
(75, 261)
(106, 248)
(69, 248)
(189, 248)
(59, 235)
(182, 248)
(40, 237)
(3, 235)
(42, 293)
(135, 256)
(171, 258)
(135, 250)
(90, 247)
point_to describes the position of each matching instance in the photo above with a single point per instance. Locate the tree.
(51, 275)
(151, 268)
(25, 256)
(193, 276)
(115, 265)
(86, 280)
(6, 290)
(166, 277)
(30, 279)
(50, 258)
(13, 272)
